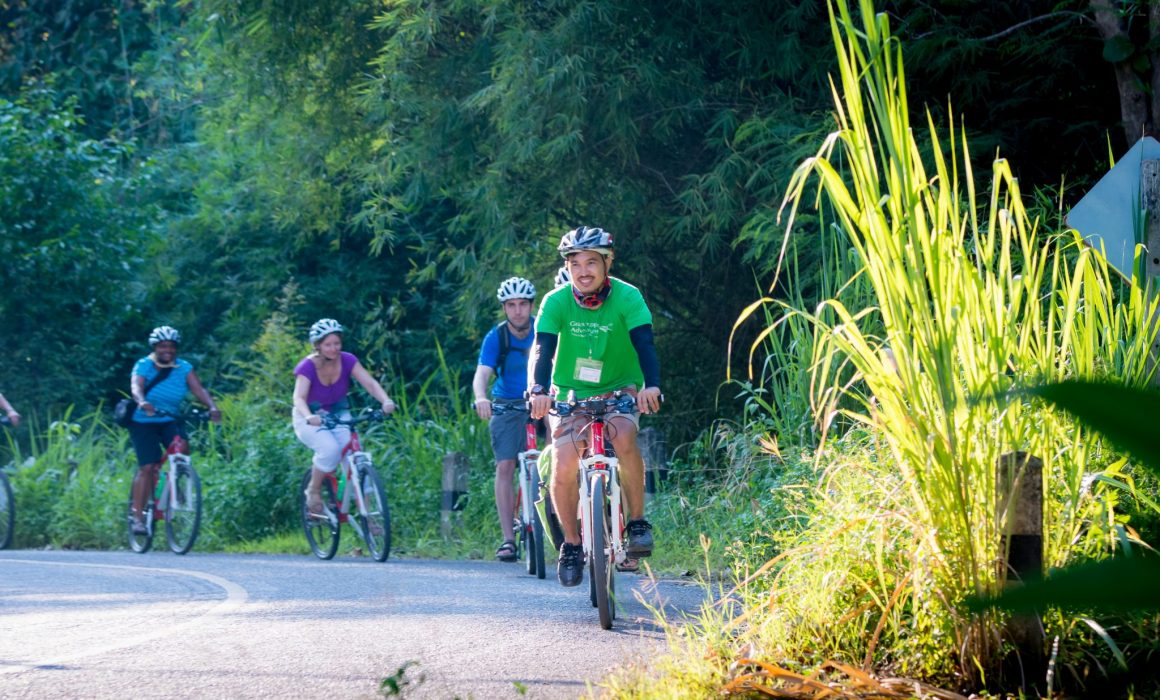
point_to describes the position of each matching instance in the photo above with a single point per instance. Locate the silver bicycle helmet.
(324, 327)
(515, 288)
(586, 238)
(162, 333)
(562, 277)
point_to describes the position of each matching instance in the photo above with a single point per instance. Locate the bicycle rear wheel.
(376, 523)
(183, 509)
(7, 511)
(600, 556)
(321, 530)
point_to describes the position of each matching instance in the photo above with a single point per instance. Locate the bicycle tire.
(183, 518)
(376, 524)
(7, 511)
(140, 543)
(601, 571)
(321, 532)
(535, 556)
(538, 545)
(527, 492)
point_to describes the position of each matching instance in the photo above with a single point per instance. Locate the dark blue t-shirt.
(513, 380)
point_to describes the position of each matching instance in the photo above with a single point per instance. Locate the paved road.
(123, 625)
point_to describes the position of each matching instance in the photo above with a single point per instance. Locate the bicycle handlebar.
(192, 416)
(501, 408)
(332, 420)
(617, 403)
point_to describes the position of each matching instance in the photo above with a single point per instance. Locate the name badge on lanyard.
(588, 370)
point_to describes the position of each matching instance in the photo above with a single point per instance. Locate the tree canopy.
(390, 163)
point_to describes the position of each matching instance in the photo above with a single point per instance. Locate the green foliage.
(70, 484)
(71, 231)
(87, 50)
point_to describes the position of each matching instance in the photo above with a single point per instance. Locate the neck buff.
(158, 363)
(592, 301)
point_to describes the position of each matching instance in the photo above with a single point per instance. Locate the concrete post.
(654, 451)
(455, 468)
(1019, 513)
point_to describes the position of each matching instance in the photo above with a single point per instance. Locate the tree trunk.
(1134, 104)
(1154, 55)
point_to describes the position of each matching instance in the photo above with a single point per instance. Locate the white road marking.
(235, 597)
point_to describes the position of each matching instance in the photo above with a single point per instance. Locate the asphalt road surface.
(123, 625)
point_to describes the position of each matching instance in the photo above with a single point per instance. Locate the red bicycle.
(174, 496)
(602, 521)
(352, 494)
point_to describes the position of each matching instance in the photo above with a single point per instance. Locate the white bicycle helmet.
(586, 238)
(162, 333)
(515, 288)
(324, 327)
(562, 277)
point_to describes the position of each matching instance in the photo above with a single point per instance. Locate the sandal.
(313, 502)
(629, 564)
(506, 551)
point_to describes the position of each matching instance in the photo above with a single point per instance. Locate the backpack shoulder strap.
(157, 379)
(505, 346)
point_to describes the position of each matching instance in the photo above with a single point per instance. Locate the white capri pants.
(327, 444)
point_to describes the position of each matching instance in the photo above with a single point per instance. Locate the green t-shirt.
(594, 355)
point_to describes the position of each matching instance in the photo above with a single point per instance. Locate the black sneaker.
(570, 569)
(640, 539)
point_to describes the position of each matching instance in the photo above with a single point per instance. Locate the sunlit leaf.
(1118, 585)
(1125, 416)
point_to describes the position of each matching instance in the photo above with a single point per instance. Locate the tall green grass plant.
(970, 300)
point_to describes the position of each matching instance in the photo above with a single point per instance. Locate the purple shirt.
(326, 395)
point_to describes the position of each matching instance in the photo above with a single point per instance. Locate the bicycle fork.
(603, 467)
(169, 493)
(353, 494)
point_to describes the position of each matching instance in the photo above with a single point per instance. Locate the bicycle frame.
(597, 464)
(352, 475)
(529, 474)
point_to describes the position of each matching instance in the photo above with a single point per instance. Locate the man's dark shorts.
(151, 439)
(508, 437)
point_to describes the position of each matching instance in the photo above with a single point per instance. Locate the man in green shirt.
(594, 337)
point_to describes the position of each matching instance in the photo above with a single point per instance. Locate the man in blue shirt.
(505, 353)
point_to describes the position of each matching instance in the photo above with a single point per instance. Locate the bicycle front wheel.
(140, 542)
(321, 529)
(376, 522)
(7, 511)
(183, 509)
(600, 557)
(534, 533)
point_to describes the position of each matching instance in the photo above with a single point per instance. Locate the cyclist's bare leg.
(314, 490)
(631, 465)
(142, 483)
(565, 496)
(505, 496)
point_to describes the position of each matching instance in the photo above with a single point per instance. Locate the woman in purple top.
(321, 383)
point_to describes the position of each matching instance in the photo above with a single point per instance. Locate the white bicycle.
(527, 525)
